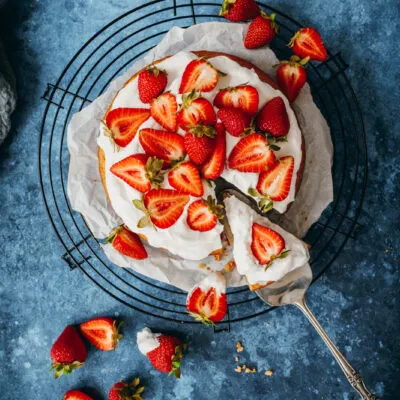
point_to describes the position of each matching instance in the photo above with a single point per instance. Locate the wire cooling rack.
(108, 54)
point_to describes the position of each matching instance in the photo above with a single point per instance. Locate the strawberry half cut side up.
(185, 178)
(127, 243)
(239, 10)
(203, 214)
(215, 165)
(163, 109)
(122, 124)
(307, 42)
(206, 302)
(102, 333)
(126, 390)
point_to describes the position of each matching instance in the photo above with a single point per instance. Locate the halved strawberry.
(215, 165)
(239, 10)
(199, 75)
(266, 245)
(139, 171)
(121, 124)
(162, 207)
(200, 142)
(151, 83)
(291, 76)
(206, 302)
(102, 333)
(163, 109)
(236, 122)
(127, 243)
(167, 146)
(251, 154)
(307, 42)
(195, 110)
(244, 97)
(185, 178)
(273, 118)
(203, 214)
(76, 395)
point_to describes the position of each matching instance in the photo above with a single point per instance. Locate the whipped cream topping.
(241, 218)
(179, 239)
(147, 340)
(213, 279)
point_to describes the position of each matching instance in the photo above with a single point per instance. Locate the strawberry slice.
(206, 302)
(199, 75)
(273, 118)
(185, 178)
(276, 181)
(307, 42)
(203, 214)
(267, 245)
(162, 207)
(291, 76)
(76, 395)
(140, 171)
(127, 243)
(215, 165)
(236, 122)
(102, 333)
(163, 109)
(200, 143)
(251, 154)
(167, 146)
(244, 97)
(121, 124)
(151, 83)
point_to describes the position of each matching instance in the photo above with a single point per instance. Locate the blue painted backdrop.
(357, 300)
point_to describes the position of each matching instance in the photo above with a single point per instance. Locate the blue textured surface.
(357, 300)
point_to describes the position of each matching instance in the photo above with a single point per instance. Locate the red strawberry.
(195, 110)
(215, 165)
(199, 75)
(239, 10)
(68, 352)
(275, 182)
(267, 245)
(185, 178)
(167, 146)
(236, 122)
(139, 171)
(273, 118)
(162, 207)
(163, 109)
(307, 42)
(206, 302)
(244, 97)
(76, 395)
(127, 243)
(151, 83)
(121, 124)
(251, 154)
(203, 215)
(102, 332)
(126, 391)
(200, 143)
(261, 31)
(292, 76)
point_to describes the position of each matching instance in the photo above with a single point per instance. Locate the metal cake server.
(291, 289)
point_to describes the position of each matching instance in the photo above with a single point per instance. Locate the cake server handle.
(351, 374)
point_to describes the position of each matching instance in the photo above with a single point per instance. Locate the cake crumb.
(202, 266)
(250, 370)
(236, 358)
(239, 347)
(230, 266)
(267, 323)
(238, 368)
(269, 372)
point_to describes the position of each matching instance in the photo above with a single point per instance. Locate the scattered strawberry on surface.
(121, 124)
(203, 214)
(199, 75)
(262, 31)
(76, 395)
(102, 332)
(68, 352)
(307, 42)
(163, 109)
(167, 146)
(164, 352)
(185, 178)
(292, 76)
(151, 83)
(206, 302)
(127, 243)
(126, 391)
(215, 165)
(267, 245)
(199, 143)
(236, 122)
(195, 110)
(244, 97)
(139, 171)
(251, 154)
(162, 207)
(273, 118)
(239, 10)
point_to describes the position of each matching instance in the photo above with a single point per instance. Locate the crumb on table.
(269, 372)
(239, 347)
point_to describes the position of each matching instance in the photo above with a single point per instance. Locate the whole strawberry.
(126, 391)
(151, 83)
(261, 31)
(76, 395)
(68, 352)
(199, 143)
(273, 118)
(236, 122)
(292, 76)
(239, 10)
